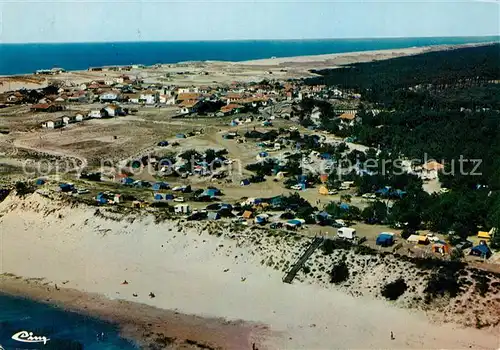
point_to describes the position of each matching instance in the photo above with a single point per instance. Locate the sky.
(23, 21)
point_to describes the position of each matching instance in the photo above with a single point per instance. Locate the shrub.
(23, 188)
(482, 284)
(442, 282)
(393, 290)
(457, 255)
(339, 273)
(329, 245)
(365, 250)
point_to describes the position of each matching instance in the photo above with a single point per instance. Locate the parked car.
(82, 191)
(464, 245)
(179, 199)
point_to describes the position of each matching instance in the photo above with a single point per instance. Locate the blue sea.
(66, 330)
(27, 58)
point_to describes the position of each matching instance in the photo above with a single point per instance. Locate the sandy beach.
(192, 272)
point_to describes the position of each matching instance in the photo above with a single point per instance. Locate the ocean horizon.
(64, 329)
(18, 58)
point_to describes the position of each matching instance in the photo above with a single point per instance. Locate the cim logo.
(28, 337)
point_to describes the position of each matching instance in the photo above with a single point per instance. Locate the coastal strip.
(211, 272)
(147, 326)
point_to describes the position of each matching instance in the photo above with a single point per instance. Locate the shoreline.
(346, 58)
(324, 58)
(141, 324)
(225, 279)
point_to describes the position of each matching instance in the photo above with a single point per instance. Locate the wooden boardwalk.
(315, 244)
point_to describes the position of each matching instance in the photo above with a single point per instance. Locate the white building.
(182, 209)
(167, 99)
(96, 113)
(108, 97)
(186, 90)
(148, 97)
(112, 110)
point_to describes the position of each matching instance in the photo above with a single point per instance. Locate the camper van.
(346, 233)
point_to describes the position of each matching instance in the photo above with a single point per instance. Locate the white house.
(148, 97)
(112, 110)
(133, 98)
(96, 113)
(188, 106)
(185, 90)
(108, 96)
(337, 93)
(431, 169)
(167, 99)
(109, 82)
(53, 124)
(348, 118)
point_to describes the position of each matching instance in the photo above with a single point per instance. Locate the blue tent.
(385, 239)
(225, 206)
(66, 187)
(325, 156)
(169, 197)
(180, 136)
(383, 191)
(263, 154)
(127, 181)
(158, 197)
(245, 182)
(234, 123)
(101, 198)
(40, 182)
(324, 215)
(160, 186)
(481, 250)
(259, 219)
(163, 143)
(210, 192)
(294, 222)
(344, 206)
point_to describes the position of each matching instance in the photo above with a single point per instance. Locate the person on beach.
(392, 336)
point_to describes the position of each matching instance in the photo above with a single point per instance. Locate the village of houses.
(202, 117)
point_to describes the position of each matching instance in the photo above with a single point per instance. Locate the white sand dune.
(185, 269)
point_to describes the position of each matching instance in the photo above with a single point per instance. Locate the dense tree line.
(444, 79)
(439, 105)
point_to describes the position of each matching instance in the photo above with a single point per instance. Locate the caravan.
(346, 233)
